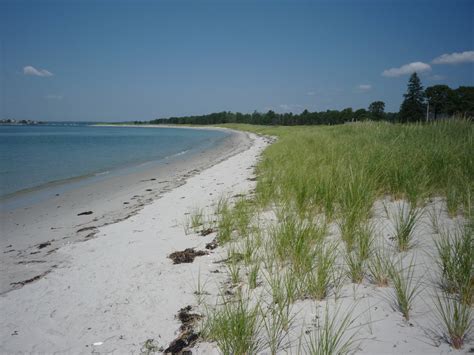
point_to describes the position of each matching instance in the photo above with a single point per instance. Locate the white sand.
(54, 217)
(378, 327)
(120, 289)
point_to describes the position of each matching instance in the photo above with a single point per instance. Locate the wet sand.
(32, 235)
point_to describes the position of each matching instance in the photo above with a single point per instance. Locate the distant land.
(12, 122)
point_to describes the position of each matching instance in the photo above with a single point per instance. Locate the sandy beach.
(116, 288)
(111, 287)
(31, 233)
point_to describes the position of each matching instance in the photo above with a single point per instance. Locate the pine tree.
(413, 108)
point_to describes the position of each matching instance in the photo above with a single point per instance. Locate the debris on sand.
(187, 338)
(206, 231)
(187, 318)
(85, 213)
(86, 229)
(150, 347)
(186, 256)
(212, 245)
(43, 245)
(25, 262)
(33, 279)
(52, 251)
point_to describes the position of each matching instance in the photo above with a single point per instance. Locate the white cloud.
(311, 93)
(29, 70)
(455, 58)
(290, 107)
(53, 97)
(364, 87)
(407, 69)
(285, 107)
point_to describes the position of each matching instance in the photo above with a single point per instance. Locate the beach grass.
(318, 186)
(234, 326)
(455, 319)
(344, 168)
(404, 219)
(405, 286)
(455, 260)
(334, 333)
(379, 267)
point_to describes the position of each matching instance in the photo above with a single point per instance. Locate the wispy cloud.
(311, 93)
(29, 70)
(455, 58)
(53, 97)
(364, 87)
(406, 69)
(290, 107)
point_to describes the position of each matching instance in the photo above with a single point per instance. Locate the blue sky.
(139, 60)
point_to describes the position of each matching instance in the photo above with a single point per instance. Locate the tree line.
(418, 105)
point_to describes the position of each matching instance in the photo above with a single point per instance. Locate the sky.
(80, 60)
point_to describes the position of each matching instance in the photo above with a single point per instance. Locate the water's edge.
(55, 221)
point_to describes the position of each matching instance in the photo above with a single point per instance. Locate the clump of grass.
(434, 214)
(234, 272)
(196, 218)
(242, 215)
(456, 262)
(379, 267)
(294, 240)
(225, 222)
(283, 292)
(253, 275)
(193, 220)
(356, 266)
(250, 248)
(406, 288)
(455, 319)
(404, 221)
(459, 192)
(356, 259)
(356, 196)
(282, 286)
(364, 241)
(234, 326)
(276, 325)
(317, 283)
(331, 335)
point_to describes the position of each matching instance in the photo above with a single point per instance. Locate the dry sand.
(118, 289)
(378, 327)
(53, 221)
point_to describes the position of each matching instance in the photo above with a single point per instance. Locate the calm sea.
(33, 156)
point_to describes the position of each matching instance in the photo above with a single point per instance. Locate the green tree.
(438, 97)
(377, 110)
(361, 114)
(465, 100)
(413, 108)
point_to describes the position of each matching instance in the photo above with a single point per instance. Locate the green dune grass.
(345, 168)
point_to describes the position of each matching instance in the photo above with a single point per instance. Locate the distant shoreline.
(183, 126)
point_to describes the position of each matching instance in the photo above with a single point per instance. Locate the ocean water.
(35, 156)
